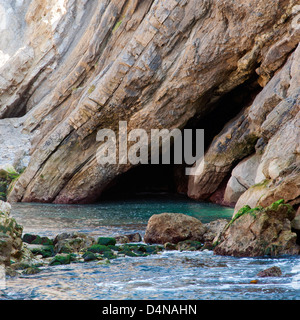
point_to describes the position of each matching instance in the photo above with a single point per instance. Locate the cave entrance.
(146, 179)
(171, 178)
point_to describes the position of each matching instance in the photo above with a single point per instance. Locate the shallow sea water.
(171, 275)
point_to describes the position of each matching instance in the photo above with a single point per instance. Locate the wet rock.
(31, 270)
(259, 231)
(170, 246)
(134, 237)
(173, 227)
(139, 250)
(5, 248)
(10, 235)
(189, 245)
(296, 221)
(28, 259)
(89, 256)
(72, 242)
(213, 229)
(36, 239)
(60, 259)
(105, 241)
(98, 248)
(45, 251)
(270, 272)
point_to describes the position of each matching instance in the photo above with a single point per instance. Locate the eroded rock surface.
(259, 232)
(74, 67)
(173, 228)
(268, 133)
(10, 236)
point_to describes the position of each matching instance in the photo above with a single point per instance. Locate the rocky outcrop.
(8, 176)
(259, 232)
(73, 67)
(179, 229)
(213, 230)
(268, 134)
(10, 236)
(173, 228)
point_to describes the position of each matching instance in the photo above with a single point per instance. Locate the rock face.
(173, 228)
(268, 133)
(10, 235)
(214, 229)
(70, 68)
(258, 232)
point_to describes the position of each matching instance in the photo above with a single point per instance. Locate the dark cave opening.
(17, 109)
(171, 178)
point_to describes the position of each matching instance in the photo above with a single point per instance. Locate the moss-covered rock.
(36, 239)
(89, 256)
(189, 245)
(10, 235)
(8, 176)
(106, 241)
(259, 231)
(45, 251)
(72, 242)
(60, 259)
(170, 246)
(31, 270)
(135, 250)
(108, 255)
(98, 248)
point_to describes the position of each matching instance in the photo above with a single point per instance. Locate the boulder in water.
(259, 232)
(173, 228)
(270, 272)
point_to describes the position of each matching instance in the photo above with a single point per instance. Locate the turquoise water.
(109, 217)
(169, 275)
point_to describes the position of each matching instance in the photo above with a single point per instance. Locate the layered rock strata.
(69, 68)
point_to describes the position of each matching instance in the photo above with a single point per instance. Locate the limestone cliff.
(71, 67)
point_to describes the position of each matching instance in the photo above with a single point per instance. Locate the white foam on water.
(2, 278)
(295, 284)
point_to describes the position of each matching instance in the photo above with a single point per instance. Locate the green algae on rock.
(10, 235)
(259, 232)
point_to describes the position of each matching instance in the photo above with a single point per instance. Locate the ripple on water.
(169, 275)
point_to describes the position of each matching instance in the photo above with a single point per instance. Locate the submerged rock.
(173, 227)
(259, 231)
(270, 272)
